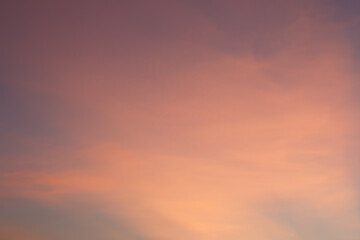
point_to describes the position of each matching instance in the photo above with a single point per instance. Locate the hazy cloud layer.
(143, 120)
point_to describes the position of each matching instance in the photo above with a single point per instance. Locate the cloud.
(196, 127)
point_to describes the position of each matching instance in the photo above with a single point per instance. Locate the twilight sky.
(179, 119)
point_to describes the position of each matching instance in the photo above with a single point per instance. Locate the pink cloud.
(187, 140)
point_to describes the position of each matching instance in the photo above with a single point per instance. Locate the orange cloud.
(189, 141)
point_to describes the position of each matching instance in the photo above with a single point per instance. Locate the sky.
(179, 119)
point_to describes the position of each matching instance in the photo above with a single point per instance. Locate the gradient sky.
(179, 119)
